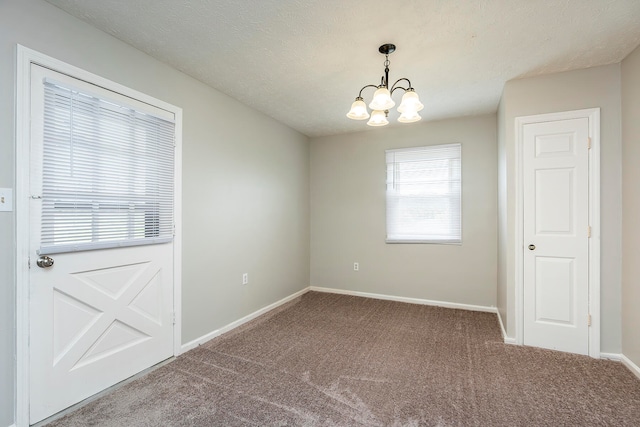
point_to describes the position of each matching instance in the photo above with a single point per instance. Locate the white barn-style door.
(555, 159)
(99, 311)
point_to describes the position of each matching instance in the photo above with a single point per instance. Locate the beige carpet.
(335, 360)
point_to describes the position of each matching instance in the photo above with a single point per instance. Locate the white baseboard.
(203, 339)
(505, 338)
(406, 299)
(616, 357)
(630, 365)
(619, 357)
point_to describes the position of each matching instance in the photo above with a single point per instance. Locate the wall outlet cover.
(6, 199)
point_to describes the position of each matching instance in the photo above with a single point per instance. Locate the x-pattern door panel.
(107, 322)
(96, 326)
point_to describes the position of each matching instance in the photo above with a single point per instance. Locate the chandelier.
(382, 102)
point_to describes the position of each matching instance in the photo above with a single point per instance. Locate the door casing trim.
(24, 58)
(593, 115)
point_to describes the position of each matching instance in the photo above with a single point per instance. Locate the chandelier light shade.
(409, 117)
(410, 102)
(378, 118)
(358, 110)
(382, 101)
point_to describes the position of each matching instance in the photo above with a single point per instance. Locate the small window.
(424, 194)
(108, 172)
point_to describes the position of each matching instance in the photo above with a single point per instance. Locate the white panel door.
(556, 233)
(96, 317)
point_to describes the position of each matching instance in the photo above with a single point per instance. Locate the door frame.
(593, 115)
(24, 58)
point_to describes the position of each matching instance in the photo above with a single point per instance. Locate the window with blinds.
(424, 194)
(108, 173)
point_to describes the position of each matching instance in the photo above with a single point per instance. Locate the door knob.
(532, 247)
(44, 261)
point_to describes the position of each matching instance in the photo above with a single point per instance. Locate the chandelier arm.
(360, 94)
(400, 87)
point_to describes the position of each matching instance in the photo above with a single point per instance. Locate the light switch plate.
(6, 199)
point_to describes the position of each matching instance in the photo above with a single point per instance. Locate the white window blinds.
(107, 173)
(423, 194)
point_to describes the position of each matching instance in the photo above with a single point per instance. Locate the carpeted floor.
(335, 360)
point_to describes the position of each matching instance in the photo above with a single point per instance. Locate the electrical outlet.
(245, 278)
(356, 266)
(6, 199)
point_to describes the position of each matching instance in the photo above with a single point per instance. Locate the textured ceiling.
(303, 62)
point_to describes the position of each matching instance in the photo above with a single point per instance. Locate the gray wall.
(348, 176)
(572, 90)
(245, 181)
(631, 206)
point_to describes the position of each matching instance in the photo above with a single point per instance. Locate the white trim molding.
(24, 58)
(619, 357)
(455, 305)
(616, 357)
(177, 237)
(507, 339)
(630, 365)
(593, 115)
(213, 334)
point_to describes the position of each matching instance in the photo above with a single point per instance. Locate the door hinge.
(589, 143)
(29, 262)
(589, 321)
(589, 231)
(173, 317)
